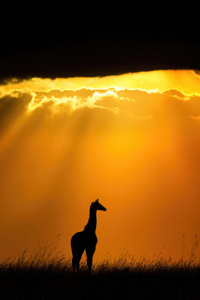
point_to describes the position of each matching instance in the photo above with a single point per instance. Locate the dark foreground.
(105, 283)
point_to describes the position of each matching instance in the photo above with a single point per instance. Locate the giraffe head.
(97, 206)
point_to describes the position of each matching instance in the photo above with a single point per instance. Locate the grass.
(47, 274)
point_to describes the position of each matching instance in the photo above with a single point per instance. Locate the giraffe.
(86, 239)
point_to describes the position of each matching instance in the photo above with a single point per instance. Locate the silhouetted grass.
(47, 274)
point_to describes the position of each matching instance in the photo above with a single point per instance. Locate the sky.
(99, 103)
(131, 140)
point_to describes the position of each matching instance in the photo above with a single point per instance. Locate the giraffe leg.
(77, 264)
(73, 263)
(76, 260)
(90, 253)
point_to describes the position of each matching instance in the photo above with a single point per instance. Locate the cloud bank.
(135, 103)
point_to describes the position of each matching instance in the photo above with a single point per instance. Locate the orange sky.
(132, 141)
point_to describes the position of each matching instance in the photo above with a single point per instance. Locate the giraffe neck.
(92, 222)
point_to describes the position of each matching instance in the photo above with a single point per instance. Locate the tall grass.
(47, 274)
(46, 256)
(49, 256)
(126, 261)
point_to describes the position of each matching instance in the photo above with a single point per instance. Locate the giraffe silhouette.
(86, 239)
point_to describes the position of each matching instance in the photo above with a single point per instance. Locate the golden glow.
(186, 81)
(131, 140)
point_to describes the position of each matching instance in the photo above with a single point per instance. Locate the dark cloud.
(174, 93)
(56, 93)
(5, 81)
(12, 106)
(197, 72)
(82, 47)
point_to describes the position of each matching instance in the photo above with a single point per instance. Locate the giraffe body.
(86, 239)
